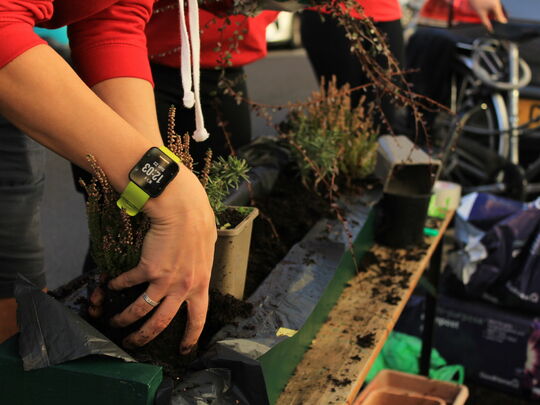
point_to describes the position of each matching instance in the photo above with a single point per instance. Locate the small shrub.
(330, 140)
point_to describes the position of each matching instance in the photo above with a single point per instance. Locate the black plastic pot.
(400, 219)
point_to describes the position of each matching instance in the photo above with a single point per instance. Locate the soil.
(164, 349)
(282, 222)
(390, 275)
(230, 218)
(366, 341)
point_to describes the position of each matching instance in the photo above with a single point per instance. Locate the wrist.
(184, 193)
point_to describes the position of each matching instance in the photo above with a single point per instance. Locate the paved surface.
(285, 75)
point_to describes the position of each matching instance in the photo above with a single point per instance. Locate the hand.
(486, 7)
(176, 260)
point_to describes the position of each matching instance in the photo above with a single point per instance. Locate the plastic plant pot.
(400, 219)
(231, 257)
(380, 397)
(398, 382)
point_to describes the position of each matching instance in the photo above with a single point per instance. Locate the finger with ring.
(149, 300)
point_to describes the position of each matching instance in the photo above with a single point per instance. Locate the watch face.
(153, 172)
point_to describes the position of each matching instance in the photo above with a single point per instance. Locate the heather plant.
(330, 140)
(218, 177)
(116, 238)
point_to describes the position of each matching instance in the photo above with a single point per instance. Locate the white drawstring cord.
(200, 134)
(185, 58)
(192, 97)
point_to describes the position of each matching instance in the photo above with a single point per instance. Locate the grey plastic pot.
(231, 257)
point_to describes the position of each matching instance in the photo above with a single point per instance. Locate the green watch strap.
(169, 153)
(132, 199)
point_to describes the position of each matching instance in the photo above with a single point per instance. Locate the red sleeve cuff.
(108, 61)
(16, 39)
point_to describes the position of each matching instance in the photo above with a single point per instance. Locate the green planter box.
(88, 381)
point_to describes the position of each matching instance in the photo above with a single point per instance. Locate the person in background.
(106, 109)
(442, 12)
(328, 48)
(227, 44)
(431, 49)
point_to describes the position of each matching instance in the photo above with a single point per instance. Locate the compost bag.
(499, 257)
(52, 334)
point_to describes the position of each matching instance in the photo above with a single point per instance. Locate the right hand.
(176, 261)
(486, 7)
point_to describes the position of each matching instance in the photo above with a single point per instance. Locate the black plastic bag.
(52, 334)
(236, 378)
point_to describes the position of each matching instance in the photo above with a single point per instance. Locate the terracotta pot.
(231, 257)
(398, 383)
(380, 397)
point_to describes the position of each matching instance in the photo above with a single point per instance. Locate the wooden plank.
(334, 368)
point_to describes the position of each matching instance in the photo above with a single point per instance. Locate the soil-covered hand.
(176, 261)
(487, 8)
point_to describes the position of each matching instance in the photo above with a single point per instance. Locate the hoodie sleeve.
(112, 42)
(17, 21)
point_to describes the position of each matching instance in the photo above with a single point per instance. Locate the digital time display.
(153, 172)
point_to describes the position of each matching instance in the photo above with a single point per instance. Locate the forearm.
(133, 100)
(42, 95)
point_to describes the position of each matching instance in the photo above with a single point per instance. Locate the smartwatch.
(148, 178)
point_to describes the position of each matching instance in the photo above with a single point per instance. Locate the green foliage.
(330, 140)
(224, 176)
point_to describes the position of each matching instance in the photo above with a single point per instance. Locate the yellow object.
(286, 332)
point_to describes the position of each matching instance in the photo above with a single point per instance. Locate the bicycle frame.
(504, 97)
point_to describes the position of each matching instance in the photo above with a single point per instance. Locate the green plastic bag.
(401, 352)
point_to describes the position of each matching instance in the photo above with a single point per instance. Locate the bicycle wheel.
(475, 158)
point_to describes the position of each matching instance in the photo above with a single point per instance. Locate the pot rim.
(242, 225)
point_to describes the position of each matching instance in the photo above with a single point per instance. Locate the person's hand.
(176, 260)
(485, 8)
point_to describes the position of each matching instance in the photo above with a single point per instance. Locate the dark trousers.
(328, 50)
(22, 174)
(218, 109)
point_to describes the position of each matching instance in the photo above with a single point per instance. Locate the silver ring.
(149, 300)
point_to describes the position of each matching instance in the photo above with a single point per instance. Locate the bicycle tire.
(476, 159)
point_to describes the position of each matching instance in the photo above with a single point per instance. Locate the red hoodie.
(106, 36)
(164, 42)
(382, 10)
(437, 12)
